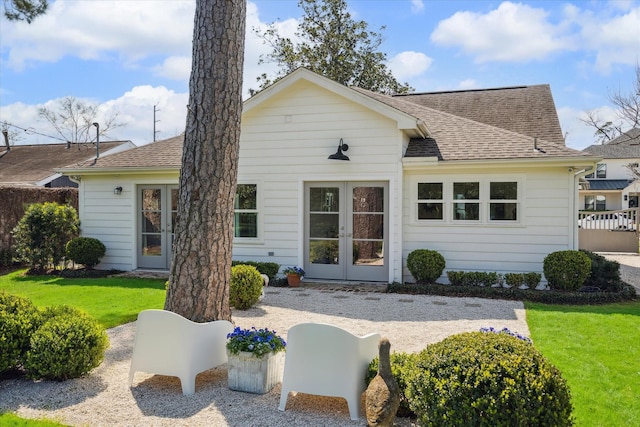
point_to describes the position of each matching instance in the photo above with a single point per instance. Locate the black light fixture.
(339, 156)
(117, 191)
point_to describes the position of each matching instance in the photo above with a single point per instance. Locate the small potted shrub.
(256, 359)
(294, 275)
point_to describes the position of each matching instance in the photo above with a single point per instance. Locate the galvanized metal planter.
(255, 374)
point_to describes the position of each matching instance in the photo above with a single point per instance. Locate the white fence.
(610, 231)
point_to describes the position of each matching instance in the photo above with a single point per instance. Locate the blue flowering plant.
(256, 341)
(294, 270)
(507, 332)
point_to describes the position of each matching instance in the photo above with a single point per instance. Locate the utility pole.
(154, 122)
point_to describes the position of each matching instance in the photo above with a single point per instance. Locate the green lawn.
(597, 349)
(12, 420)
(112, 301)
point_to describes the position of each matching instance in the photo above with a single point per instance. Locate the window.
(503, 201)
(246, 211)
(469, 201)
(601, 170)
(430, 203)
(466, 205)
(596, 202)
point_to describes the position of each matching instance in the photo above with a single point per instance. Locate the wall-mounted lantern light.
(117, 191)
(339, 156)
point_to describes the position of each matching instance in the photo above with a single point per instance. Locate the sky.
(127, 56)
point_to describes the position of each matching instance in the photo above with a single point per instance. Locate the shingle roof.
(625, 146)
(30, 164)
(161, 154)
(608, 184)
(528, 110)
(459, 138)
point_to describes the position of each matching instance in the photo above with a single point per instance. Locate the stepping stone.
(439, 303)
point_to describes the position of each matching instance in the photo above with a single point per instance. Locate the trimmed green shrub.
(66, 346)
(514, 279)
(269, 268)
(457, 278)
(42, 234)
(532, 279)
(567, 270)
(486, 379)
(86, 251)
(19, 319)
(605, 274)
(425, 265)
(400, 364)
(245, 286)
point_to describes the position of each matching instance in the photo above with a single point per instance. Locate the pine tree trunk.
(201, 264)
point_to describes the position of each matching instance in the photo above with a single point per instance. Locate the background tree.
(201, 263)
(24, 10)
(627, 109)
(73, 120)
(334, 45)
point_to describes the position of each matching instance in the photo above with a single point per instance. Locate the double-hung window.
(430, 200)
(246, 211)
(503, 201)
(466, 201)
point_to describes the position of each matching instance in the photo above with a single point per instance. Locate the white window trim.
(259, 210)
(484, 200)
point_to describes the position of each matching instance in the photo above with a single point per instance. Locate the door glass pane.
(368, 199)
(368, 226)
(368, 253)
(324, 225)
(151, 245)
(323, 252)
(151, 222)
(151, 199)
(324, 199)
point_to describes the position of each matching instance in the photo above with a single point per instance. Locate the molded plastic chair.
(329, 361)
(169, 344)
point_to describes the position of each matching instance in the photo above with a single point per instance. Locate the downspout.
(574, 184)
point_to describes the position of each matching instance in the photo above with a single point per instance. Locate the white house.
(345, 183)
(612, 186)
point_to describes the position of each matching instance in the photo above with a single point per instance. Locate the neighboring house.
(33, 165)
(612, 186)
(346, 183)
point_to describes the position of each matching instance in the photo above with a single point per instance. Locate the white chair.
(169, 344)
(329, 361)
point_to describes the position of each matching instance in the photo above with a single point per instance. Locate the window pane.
(246, 224)
(323, 251)
(368, 226)
(503, 190)
(601, 203)
(601, 170)
(151, 245)
(324, 225)
(503, 211)
(151, 222)
(466, 211)
(324, 199)
(368, 253)
(589, 203)
(430, 211)
(246, 196)
(430, 190)
(368, 199)
(151, 199)
(466, 190)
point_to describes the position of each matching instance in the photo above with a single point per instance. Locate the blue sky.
(130, 55)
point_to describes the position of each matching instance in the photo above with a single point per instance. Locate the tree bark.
(201, 263)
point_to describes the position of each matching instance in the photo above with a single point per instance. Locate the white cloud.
(175, 68)
(512, 32)
(417, 6)
(406, 65)
(579, 135)
(98, 30)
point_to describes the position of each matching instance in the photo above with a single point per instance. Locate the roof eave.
(414, 163)
(118, 170)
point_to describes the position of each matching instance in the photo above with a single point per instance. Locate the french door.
(346, 229)
(157, 209)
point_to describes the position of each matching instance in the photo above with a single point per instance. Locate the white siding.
(286, 141)
(543, 226)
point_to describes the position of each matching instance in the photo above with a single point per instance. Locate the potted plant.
(294, 275)
(255, 359)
